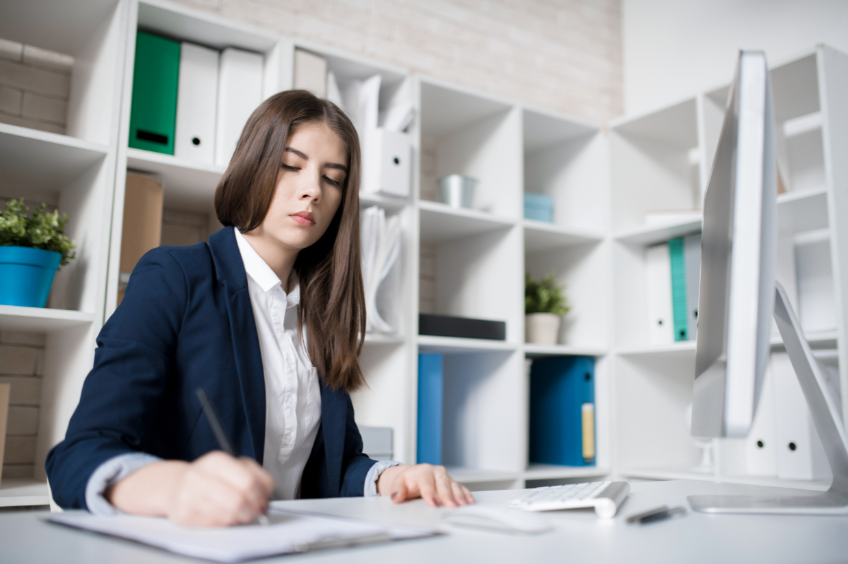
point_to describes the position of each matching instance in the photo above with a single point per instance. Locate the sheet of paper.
(287, 533)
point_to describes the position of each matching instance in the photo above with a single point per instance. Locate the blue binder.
(430, 387)
(558, 389)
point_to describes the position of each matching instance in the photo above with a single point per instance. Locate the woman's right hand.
(216, 490)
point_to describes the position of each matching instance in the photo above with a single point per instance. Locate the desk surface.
(579, 536)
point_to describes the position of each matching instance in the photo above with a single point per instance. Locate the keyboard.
(605, 497)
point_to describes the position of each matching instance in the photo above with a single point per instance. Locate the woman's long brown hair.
(332, 299)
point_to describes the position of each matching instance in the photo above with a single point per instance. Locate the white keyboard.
(605, 497)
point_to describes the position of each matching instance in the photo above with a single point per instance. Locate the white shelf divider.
(20, 493)
(431, 344)
(42, 160)
(651, 234)
(475, 476)
(187, 184)
(553, 472)
(41, 320)
(541, 236)
(441, 223)
(541, 351)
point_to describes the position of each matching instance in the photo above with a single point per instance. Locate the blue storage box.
(539, 207)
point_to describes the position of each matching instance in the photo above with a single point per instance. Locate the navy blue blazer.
(186, 322)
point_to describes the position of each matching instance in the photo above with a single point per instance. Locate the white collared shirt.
(292, 393)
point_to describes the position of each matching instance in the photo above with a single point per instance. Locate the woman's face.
(309, 187)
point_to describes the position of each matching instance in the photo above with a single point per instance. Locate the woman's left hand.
(429, 482)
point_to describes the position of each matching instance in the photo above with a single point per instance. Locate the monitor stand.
(828, 424)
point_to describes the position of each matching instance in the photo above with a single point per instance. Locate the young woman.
(268, 319)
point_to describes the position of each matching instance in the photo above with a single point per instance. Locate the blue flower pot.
(26, 275)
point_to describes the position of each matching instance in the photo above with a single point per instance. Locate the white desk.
(579, 535)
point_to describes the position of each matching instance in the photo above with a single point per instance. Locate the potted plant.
(32, 246)
(544, 306)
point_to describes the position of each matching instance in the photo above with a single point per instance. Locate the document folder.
(197, 101)
(562, 412)
(679, 304)
(239, 93)
(154, 95)
(430, 390)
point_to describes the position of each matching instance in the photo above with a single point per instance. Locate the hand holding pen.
(255, 486)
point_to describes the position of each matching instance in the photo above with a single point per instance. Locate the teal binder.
(679, 306)
(156, 74)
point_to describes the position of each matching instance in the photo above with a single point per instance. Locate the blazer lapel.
(333, 418)
(230, 272)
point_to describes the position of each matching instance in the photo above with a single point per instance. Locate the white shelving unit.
(75, 172)
(602, 184)
(658, 164)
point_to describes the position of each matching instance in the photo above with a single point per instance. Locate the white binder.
(761, 444)
(660, 322)
(310, 73)
(197, 98)
(386, 157)
(800, 454)
(239, 93)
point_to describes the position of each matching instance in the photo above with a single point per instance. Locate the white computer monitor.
(736, 300)
(739, 297)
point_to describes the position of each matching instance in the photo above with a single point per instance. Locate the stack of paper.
(381, 241)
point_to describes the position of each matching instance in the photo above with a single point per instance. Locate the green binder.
(156, 76)
(679, 307)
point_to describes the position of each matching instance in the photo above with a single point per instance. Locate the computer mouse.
(497, 518)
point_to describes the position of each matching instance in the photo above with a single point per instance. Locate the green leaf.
(544, 296)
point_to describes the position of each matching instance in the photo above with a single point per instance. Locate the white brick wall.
(34, 87)
(20, 365)
(560, 54)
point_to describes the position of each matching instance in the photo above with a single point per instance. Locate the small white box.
(386, 160)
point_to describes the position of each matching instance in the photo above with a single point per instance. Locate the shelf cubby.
(655, 164)
(562, 157)
(91, 34)
(652, 393)
(585, 273)
(475, 277)
(472, 135)
(484, 424)
(395, 82)
(381, 402)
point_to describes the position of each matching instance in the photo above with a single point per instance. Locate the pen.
(657, 514)
(221, 434)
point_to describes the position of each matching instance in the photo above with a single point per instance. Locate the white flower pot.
(541, 328)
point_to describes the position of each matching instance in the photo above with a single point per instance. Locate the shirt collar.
(261, 273)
